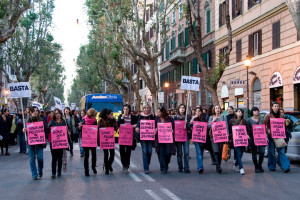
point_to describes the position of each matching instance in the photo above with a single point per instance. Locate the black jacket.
(133, 118)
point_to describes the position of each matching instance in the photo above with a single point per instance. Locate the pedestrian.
(208, 145)
(229, 116)
(236, 121)
(217, 147)
(108, 120)
(89, 119)
(13, 129)
(36, 151)
(256, 150)
(57, 154)
(272, 159)
(21, 134)
(81, 120)
(68, 119)
(164, 150)
(146, 144)
(183, 146)
(75, 121)
(4, 131)
(125, 150)
(198, 146)
(288, 128)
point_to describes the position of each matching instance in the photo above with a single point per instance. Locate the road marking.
(135, 177)
(118, 162)
(153, 195)
(139, 144)
(170, 194)
(147, 177)
(132, 165)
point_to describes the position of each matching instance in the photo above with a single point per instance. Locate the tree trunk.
(294, 7)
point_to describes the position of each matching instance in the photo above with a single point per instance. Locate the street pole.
(247, 94)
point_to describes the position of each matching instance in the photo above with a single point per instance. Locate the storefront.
(225, 96)
(276, 89)
(256, 94)
(296, 81)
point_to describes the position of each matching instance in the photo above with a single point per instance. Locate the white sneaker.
(235, 168)
(242, 171)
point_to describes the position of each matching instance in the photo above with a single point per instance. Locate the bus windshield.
(116, 107)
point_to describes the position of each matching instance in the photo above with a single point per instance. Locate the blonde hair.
(146, 105)
(91, 113)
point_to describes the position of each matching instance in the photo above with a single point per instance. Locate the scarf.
(89, 121)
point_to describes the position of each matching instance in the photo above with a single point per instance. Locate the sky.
(70, 34)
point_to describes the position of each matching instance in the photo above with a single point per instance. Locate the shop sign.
(276, 80)
(296, 78)
(237, 83)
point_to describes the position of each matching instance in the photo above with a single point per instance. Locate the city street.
(16, 181)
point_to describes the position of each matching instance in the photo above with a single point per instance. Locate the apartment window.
(168, 23)
(180, 10)
(222, 13)
(141, 84)
(174, 17)
(147, 15)
(255, 44)
(162, 55)
(252, 3)
(239, 51)
(195, 66)
(179, 72)
(180, 40)
(236, 8)
(135, 68)
(167, 50)
(151, 11)
(208, 21)
(187, 69)
(147, 35)
(276, 35)
(173, 43)
(151, 32)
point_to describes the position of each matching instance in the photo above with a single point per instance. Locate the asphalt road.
(16, 182)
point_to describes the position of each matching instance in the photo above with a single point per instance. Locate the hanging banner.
(36, 133)
(165, 132)
(19, 90)
(277, 127)
(59, 137)
(126, 134)
(219, 131)
(190, 83)
(180, 131)
(147, 130)
(107, 138)
(38, 105)
(89, 135)
(240, 137)
(58, 103)
(259, 135)
(199, 132)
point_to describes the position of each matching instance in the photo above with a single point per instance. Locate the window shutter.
(162, 56)
(179, 40)
(233, 8)
(167, 50)
(250, 4)
(259, 42)
(250, 46)
(239, 51)
(187, 38)
(220, 14)
(195, 71)
(208, 21)
(194, 27)
(186, 69)
(171, 76)
(209, 59)
(179, 73)
(241, 6)
(278, 34)
(204, 56)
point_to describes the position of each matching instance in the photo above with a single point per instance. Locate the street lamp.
(6, 94)
(247, 64)
(167, 84)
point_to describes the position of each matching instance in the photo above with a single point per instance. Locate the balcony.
(177, 56)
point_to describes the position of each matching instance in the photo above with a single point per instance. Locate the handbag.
(225, 152)
(279, 142)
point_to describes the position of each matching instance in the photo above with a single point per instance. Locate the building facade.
(265, 32)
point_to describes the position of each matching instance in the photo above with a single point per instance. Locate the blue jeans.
(80, 147)
(239, 154)
(147, 153)
(185, 146)
(164, 156)
(282, 158)
(22, 142)
(199, 154)
(35, 152)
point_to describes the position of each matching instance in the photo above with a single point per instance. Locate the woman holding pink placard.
(256, 150)
(237, 120)
(272, 159)
(183, 146)
(125, 150)
(108, 120)
(217, 147)
(165, 150)
(57, 154)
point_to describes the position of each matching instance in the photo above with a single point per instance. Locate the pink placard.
(147, 130)
(259, 135)
(219, 131)
(59, 137)
(107, 138)
(89, 136)
(165, 132)
(277, 127)
(125, 134)
(180, 131)
(240, 137)
(199, 132)
(36, 133)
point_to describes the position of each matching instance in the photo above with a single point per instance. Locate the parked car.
(293, 151)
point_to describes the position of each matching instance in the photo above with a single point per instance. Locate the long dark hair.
(178, 112)
(236, 117)
(129, 108)
(104, 113)
(209, 112)
(54, 116)
(164, 113)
